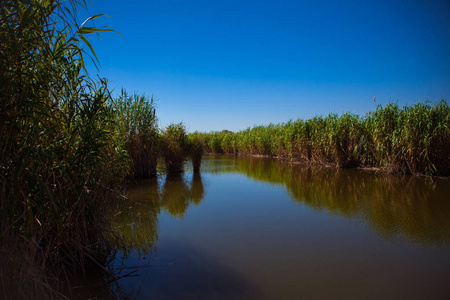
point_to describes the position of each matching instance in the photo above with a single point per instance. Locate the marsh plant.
(62, 154)
(137, 126)
(196, 146)
(176, 147)
(412, 139)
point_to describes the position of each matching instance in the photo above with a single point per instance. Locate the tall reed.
(196, 145)
(175, 147)
(59, 162)
(137, 126)
(413, 139)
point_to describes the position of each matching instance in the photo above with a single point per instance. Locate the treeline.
(67, 147)
(412, 139)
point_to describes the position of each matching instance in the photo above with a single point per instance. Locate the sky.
(216, 65)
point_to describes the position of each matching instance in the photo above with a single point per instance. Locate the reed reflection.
(176, 195)
(392, 205)
(137, 221)
(197, 188)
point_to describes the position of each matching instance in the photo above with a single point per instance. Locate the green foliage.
(414, 139)
(196, 145)
(60, 156)
(176, 147)
(136, 125)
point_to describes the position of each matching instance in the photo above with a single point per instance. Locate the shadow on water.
(197, 189)
(186, 273)
(417, 208)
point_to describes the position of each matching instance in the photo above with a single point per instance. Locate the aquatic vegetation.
(63, 153)
(196, 145)
(136, 125)
(175, 147)
(413, 139)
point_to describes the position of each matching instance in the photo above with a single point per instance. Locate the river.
(259, 228)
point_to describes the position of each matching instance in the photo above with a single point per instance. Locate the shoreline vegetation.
(407, 140)
(68, 147)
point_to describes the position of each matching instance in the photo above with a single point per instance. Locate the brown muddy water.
(258, 228)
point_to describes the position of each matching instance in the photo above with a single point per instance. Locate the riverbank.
(303, 162)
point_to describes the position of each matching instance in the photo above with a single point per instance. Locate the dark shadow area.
(182, 272)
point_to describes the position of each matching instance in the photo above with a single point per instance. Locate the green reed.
(196, 145)
(413, 139)
(176, 147)
(61, 159)
(135, 119)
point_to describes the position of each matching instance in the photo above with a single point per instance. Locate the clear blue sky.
(233, 64)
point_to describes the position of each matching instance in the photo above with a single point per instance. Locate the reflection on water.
(258, 228)
(177, 195)
(197, 189)
(138, 219)
(417, 207)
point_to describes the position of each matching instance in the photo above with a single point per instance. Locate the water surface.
(257, 228)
